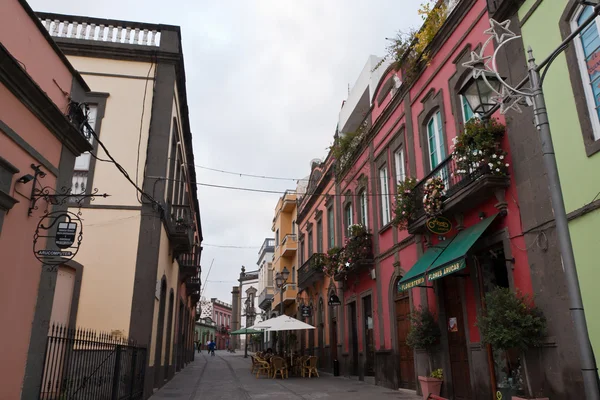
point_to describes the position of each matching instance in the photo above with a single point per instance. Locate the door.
(457, 342)
(333, 339)
(406, 370)
(369, 339)
(353, 338)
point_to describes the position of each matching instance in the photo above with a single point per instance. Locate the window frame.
(330, 227)
(363, 205)
(583, 73)
(435, 121)
(384, 185)
(319, 235)
(400, 164)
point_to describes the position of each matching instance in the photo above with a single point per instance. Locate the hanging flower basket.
(406, 205)
(433, 192)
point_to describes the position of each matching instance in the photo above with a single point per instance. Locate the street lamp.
(250, 313)
(510, 98)
(480, 93)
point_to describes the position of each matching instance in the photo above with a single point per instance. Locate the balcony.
(356, 256)
(311, 271)
(463, 192)
(501, 9)
(289, 202)
(290, 291)
(289, 245)
(189, 265)
(265, 297)
(195, 298)
(180, 228)
(192, 284)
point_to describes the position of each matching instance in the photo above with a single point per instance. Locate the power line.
(282, 192)
(224, 246)
(251, 175)
(207, 274)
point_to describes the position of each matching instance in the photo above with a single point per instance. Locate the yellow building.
(141, 259)
(285, 257)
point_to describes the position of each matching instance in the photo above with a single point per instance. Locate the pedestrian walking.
(211, 348)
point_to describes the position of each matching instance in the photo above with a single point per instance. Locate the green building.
(206, 329)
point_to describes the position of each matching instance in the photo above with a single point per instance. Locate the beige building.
(141, 275)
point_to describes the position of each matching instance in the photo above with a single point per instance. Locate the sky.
(265, 83)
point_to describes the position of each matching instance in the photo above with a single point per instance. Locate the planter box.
(430, 386)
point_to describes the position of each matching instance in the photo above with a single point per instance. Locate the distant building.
(221, 315)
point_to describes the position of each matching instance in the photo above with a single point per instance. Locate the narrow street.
(227, 376)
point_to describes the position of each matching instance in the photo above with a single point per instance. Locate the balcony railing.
(189, 264)
(462, 191)
(358, 253)
(180, 227)
(311, 271)
(193, 284)
(289, 245)
(264, 297)
(100, 30)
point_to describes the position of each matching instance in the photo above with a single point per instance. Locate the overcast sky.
(265, 82)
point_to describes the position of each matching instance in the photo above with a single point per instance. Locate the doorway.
(457, 342)
(406, 368)
(169, 336)
(333, 339)
(369, 337)
(321, 333)
(352, 328)
(160, 327)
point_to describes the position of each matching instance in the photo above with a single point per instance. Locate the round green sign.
(439, 225)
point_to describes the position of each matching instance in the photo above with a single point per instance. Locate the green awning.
(439, 262)
(416, 275)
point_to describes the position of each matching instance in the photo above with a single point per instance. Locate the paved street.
(227, 376)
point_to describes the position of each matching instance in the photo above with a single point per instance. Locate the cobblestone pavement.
(227, 376)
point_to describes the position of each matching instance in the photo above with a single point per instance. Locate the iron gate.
(82, 364)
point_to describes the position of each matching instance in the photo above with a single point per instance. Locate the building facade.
(38, 147)
(206, 330)
(265, 283)
(221, 315)
(571, 95)
(141, 279)
(388, 265)
(285, 254)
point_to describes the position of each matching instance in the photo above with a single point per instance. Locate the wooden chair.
(254, 364)
(300, 364)
(311, 366)
(262, 368)
(279, 366)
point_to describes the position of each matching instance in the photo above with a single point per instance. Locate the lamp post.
(280, 281)
(250, 313)
(487, 87)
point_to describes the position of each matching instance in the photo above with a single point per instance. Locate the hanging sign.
(439, 225)
(452, 324)
(305, 311)
(334, 300)
(66, 229)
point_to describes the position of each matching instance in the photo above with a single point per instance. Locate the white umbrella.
(261, 325)
(286, 323)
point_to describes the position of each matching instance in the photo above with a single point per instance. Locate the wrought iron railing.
(82, 364)
(453, 182)
(308, 272)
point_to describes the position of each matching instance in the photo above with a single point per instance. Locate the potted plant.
(433, 192)
(406, 206)
(511, 325)
(424, 334)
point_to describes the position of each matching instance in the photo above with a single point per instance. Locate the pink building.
(221, 315)
(38, 146)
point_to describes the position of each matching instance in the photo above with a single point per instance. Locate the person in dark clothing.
(211, 348)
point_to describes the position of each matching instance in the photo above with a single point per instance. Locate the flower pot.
(430, 386)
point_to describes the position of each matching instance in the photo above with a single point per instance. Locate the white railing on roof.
(102, 33)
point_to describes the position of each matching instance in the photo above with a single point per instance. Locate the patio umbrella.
(244, 331)
(287, 323)
(262, 324)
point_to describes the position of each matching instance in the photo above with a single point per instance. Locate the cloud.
(265, 82)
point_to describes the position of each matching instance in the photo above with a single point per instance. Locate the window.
(400, 165)
(301, 252)
(435, 140)
(277, 238)
(467, 112)
(270, 275)
(385, 196)
(330, 228)
(293, 274)
(348, 215)
(293, 227)
(82, 162)
(319, 236)
(364, 211)
(588, 54)
(310, 243)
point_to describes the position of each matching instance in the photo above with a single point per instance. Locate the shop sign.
(441, 272)
(439, 225)
(452, 324)
(411, 284)
(66, 229)
(305, 311)
(334, 300)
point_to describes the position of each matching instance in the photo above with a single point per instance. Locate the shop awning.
(439, 262)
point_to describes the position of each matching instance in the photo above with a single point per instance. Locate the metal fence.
(82, 364)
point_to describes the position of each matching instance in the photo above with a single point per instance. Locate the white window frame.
(400, 165)
(583, 72)
(437, 135)
(364, 209)
(385, 196)
(349, 217)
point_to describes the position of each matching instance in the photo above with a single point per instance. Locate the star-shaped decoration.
(499, 30)
(478, 63)
(499, 98)
(511, 103)
(347, 264)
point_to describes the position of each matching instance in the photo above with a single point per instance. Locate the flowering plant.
(356, 230)
(405, 202)
(357, 248)
(478, 147)
(332, 261)
(318, 261)
(433, 190)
